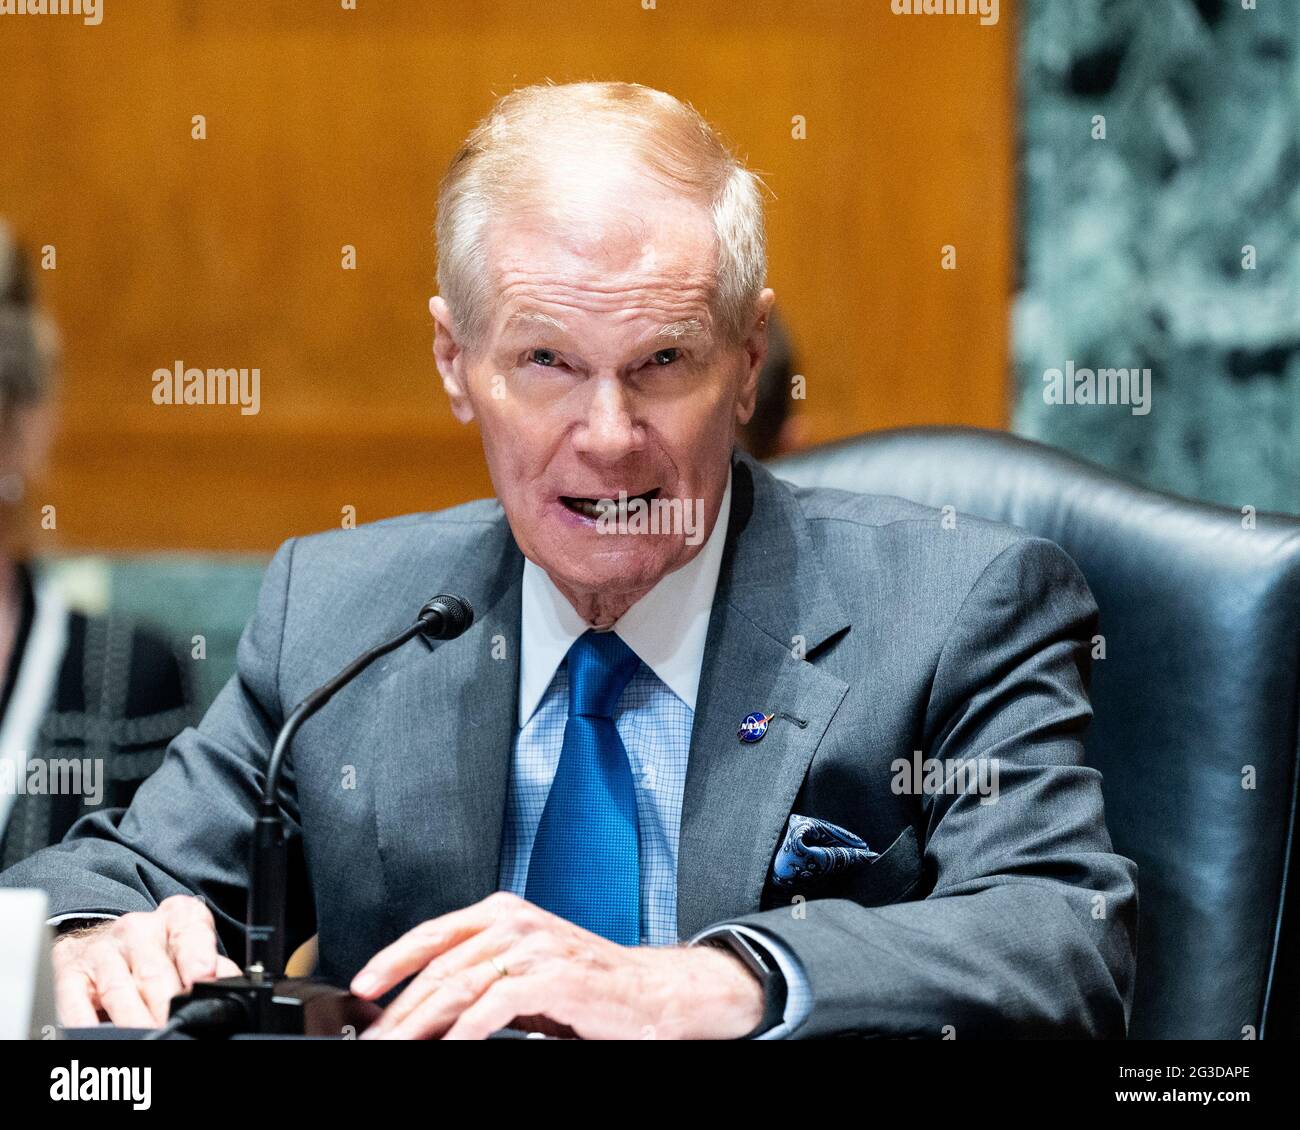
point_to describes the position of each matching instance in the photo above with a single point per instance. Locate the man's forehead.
(676, 330)
(645, 281)
(624, 245)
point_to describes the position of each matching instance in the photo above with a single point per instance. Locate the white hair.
(495, 170)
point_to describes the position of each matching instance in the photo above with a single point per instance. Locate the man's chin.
(613, 570)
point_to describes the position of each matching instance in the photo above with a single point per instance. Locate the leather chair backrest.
(1196, 703)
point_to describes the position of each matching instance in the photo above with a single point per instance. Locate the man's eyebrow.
(687, 327)
(533, 318)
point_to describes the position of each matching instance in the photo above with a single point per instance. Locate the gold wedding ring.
(496, 964)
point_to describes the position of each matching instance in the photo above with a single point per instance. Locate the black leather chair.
(1199, 689)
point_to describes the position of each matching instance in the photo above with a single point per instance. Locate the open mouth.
(591, 507)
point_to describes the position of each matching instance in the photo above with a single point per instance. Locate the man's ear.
(451, 358)
(755, 354)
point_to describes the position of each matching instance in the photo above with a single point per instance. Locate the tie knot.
(600, 666)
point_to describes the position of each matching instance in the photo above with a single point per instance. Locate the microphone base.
(292, 1006)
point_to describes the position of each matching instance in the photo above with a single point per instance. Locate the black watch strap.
(68, 925)
(762, 967)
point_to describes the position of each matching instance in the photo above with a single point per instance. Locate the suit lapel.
(773, 605)
(441, 792)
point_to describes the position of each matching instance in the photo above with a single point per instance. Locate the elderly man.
(665, 785)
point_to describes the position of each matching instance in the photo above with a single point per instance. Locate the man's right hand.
(128, 969)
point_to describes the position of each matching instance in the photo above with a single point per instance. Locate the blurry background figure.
(775, 429)
(87, 704)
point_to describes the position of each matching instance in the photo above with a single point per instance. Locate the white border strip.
(38, 675)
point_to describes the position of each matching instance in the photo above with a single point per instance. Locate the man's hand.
(130, 968)
(559, 979)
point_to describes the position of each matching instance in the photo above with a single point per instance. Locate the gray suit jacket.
(865, 625)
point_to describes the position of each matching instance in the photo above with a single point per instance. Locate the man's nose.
(609, 430)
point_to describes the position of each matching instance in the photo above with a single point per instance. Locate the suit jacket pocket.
(814, 851)
(818, 859)
(889, 878)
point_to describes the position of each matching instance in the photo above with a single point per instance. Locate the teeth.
(595, 508)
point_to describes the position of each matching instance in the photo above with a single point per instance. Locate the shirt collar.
(666, 628)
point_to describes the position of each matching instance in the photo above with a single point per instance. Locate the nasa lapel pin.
(754, 727)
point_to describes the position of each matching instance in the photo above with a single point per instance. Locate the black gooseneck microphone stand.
(262, 1000)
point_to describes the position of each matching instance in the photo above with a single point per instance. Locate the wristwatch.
(762, 967)
(70, 925)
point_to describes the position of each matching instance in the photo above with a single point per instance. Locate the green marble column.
(1160, 230)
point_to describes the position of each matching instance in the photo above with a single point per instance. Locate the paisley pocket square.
(815, 849)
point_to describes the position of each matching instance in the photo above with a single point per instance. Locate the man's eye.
(664, 356)
(547, 358)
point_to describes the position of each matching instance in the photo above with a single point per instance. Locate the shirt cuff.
(78, 916)
(798, 993)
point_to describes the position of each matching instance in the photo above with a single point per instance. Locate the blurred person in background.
(774, 429)
(87, 704)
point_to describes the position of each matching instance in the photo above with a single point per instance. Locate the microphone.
(446, 617)
(254, 1002)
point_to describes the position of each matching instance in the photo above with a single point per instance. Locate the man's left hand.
(558, 978)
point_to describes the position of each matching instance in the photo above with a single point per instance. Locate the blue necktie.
(585, 864)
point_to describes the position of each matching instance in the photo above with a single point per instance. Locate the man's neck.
(600, 610)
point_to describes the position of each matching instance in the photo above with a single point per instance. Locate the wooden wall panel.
(328, 126)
